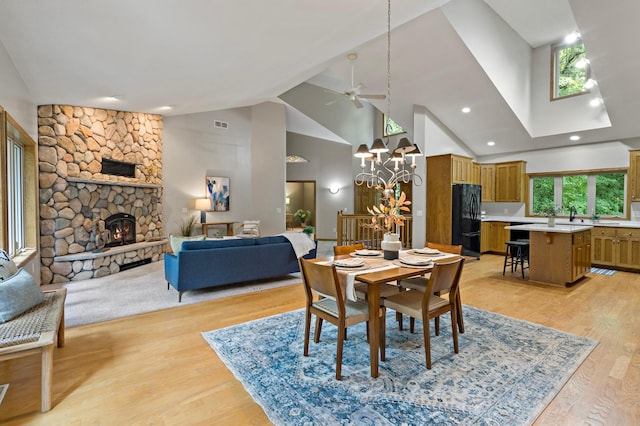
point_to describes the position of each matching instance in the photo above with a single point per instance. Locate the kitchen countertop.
(577, 222)
(543, 227)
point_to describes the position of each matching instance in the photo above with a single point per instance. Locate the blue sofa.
(211, 263)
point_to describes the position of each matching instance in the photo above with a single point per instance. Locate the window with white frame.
(570, 71)
(591, 195)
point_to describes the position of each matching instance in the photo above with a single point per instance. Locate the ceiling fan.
(353, 93)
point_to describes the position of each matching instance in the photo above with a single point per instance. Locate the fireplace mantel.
(113, 182)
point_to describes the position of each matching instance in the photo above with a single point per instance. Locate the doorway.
(301, 195)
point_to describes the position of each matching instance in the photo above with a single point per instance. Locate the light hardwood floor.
(155, 369)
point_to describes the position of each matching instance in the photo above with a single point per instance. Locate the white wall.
(502, 53)
(16, 100)
(268, 167)
(194, 149)
(330, 164)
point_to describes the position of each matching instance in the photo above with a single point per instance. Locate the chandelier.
(388, 168)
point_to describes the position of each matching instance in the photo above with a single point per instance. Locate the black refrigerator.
(465, 226)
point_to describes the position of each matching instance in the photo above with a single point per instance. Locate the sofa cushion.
(210, 244)
(177, 240)
(18, 294)
(271, 240)
(7, 267)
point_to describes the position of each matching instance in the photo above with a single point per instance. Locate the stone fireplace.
(80, 203)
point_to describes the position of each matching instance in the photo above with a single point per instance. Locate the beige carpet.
(142, 289)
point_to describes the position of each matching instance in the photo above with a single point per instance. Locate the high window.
(570, 69)
(390, 127)
(592, 195)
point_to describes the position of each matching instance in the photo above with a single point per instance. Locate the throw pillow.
(7, 267)
(18, 294)
(177, 240)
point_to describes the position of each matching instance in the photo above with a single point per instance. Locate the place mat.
(366, 253)
(422, 252)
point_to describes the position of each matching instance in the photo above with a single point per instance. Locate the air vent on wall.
(220, 124)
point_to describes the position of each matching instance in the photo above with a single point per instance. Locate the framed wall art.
(218, 193)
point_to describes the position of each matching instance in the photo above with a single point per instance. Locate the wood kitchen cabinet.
(510, 185)
(493, 236)
(581, 255)
(634, 175)
(461, 169)
(488, 182)
(616, 247)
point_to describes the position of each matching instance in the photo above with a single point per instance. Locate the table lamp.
(203, 204)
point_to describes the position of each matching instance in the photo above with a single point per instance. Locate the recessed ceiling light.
(466, 110)
(595, 102)
(590, 83)
(115, 97)
(575, 138)
(491, 143)
(167, 107)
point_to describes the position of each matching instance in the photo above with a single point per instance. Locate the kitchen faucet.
(572, 213)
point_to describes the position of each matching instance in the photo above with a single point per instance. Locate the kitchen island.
(558, 255)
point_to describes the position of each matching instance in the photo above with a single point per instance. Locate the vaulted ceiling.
(206, 55)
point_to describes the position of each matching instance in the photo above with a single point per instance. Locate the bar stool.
(517, 252)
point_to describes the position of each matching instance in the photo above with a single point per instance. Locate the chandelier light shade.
(393, 169)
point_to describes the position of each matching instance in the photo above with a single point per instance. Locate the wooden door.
(488, 182)
(509, 182)
(485, 237)
(475, 173)
(499, 236)
(629, 248)
(603, 245)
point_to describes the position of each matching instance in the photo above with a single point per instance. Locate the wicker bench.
(35, 332)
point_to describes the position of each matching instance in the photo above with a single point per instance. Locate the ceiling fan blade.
(372, 96)
(356, 102)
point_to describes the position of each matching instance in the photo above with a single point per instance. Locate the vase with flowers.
(387, 216)
(551, 212)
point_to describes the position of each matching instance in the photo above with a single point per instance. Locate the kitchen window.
(592, 195)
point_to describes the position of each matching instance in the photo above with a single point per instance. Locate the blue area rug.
(602, 271)
(507, 371)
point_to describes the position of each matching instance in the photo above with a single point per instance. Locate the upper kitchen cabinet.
(510, 181)
(634, 175)
(488, 182)
(462, 169)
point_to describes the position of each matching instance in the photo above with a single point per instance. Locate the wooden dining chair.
(362, 289)
(325, 300)
(420, 283)
(445, 278)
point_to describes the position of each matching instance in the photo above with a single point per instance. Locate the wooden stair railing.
(352, 229)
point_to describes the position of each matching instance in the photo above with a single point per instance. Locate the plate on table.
(366, 253)
(427, 251)
(415, 261)
(349, 263)
(399, 262)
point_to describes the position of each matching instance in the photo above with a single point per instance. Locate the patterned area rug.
(507, 371)
(602, 271)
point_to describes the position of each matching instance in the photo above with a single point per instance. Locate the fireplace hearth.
(121, 229)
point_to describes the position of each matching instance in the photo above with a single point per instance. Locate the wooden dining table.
(374, 280)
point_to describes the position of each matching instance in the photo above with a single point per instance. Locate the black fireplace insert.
(121, 229)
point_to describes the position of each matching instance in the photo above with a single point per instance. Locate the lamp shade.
(416, 151)
(378, 146)
(362, 152)
(203, 204)
(404, 146)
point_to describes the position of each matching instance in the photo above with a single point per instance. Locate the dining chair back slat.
(339, 250)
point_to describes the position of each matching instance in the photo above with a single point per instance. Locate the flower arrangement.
(550, 210)
(390, 210)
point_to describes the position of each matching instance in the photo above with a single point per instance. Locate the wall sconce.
(288, 200)
(334, 189)
(203, 204)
